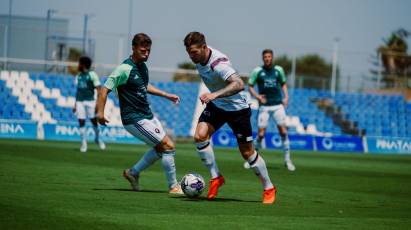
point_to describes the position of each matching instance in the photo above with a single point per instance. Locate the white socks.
(167, 161)
(258, 164)
(83, 134)
(286, 146)
(206, 153)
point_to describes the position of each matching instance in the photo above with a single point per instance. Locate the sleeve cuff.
(109, 84)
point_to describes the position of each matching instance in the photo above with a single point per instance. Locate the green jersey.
(130, 81)
(86, 83)
(269, 82)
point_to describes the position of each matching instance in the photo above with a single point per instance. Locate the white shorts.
(277, 112)
(85, 109)
(149, 131)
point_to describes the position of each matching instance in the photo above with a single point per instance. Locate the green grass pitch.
(51, 185)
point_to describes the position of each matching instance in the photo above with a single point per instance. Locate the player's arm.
(118, 77)
(285, 93)
(101, 104)
(158, 92)
(283, 85)
(251, 81)
(96, 81)
(75, 102)
(234, 85)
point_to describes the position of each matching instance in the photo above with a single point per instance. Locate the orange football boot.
(214, 185)
(269, 196)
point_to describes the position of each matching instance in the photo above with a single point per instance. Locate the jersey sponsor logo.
(270, 83)
(217, 61)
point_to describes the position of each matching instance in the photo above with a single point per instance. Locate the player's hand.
(285, 102)
(207, 97)
(174, 98)
(261, 98)
(102, 120)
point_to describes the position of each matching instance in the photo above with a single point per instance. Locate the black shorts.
(239, 121)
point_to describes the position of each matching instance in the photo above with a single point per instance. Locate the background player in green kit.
(131, 82)
(273, 99)
(85, 105)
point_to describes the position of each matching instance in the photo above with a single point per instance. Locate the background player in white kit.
(85, 108)
(224, 105)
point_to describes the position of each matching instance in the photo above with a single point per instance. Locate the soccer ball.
(192, 184)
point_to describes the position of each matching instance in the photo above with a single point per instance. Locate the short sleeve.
(118, 77)
(282, 74)
(254, 76)
(95, 79)
(223, 68)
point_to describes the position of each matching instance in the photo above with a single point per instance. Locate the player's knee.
(198, 137)
(166, 145)
(247, 153)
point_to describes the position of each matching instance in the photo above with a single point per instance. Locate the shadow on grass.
(128, 190)
(218, 199)
(182, 197)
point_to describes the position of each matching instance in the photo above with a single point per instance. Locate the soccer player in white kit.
(225, 104)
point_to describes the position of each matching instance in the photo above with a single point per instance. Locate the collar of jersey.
(209, 57)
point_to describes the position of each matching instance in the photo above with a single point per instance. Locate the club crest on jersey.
(157, 130)
(263, 74)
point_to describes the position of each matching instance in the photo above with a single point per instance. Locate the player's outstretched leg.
(206, 153)
(168, 152)
(133, 174)
(152, 133)
(257, 163)
(83, 135)
(97, 139)
(202, 136)
(287, 157)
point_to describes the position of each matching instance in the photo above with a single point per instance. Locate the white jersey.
(214, 74)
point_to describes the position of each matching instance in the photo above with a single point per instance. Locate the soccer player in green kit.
(84, 108)
(273, 99)
(131, 82)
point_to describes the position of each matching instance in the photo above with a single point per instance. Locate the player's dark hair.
(85, 61)
(141, 39)
(194, 38)
(268, 51)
